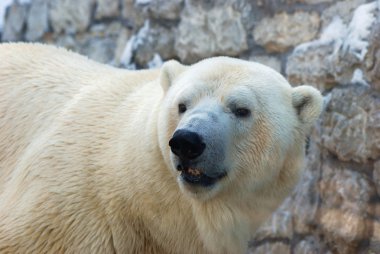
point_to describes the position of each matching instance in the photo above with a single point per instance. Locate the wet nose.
(187, 145)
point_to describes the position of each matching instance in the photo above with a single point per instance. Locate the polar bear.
(182, 159)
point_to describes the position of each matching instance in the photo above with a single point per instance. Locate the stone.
(372, 61)
(309, 245)
(343, 189)
(132, 14)
(280, 225)
(270, 247)
(311, 2)
(344, 214)
(342, 9)
(374, 246)
(106, 9)
(101, 50)
(121, 42)
(270, 61)
(37, 21)
(316, 1)
(352, 48)
(311, 67)
(66, 41)
(340, 55)
(205, 33)
(351, 127)
(162, 9)
(101, 41)
(15, 20)
(343, 227)
(305, 202)
(70, 16)
(284, 31)
(376, 179)
(155, 39)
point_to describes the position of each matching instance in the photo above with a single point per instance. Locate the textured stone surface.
(309, 245)
(274, 247)
(106, 8)
(305, 203)
(70, 16)
(37, 22)
(204, 33)
(157, 40)
(345, 197)
(132, 13)
(351, 127)
(372, 64)
(163, 9)
(375, 240)
(15, 22)
(376, 178)
(342, 9)
(101, 50)
(310, 67)
(336, 206)
(342, 53)
(279, 225)
(272, 62)
(283, 31)
(316, 1)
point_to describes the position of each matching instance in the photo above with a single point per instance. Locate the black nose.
(186, 144)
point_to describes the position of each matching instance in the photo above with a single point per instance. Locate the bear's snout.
(187, 145)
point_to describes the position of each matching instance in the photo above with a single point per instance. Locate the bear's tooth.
(194, 171)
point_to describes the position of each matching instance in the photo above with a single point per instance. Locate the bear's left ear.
(308, 103)
(169, 71)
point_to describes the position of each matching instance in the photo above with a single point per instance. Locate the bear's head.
(226, 124)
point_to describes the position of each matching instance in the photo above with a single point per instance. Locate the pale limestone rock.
(106, 9)
(270, 61)
(376, 178)
(374, 246)
(163, 9)
(351, 126)
(284, 31)
(37, 21)
(343, 53)
(204, 33)
(70, 16)
(132, 13)
(271, 247)
(311, 67)
(372, 61)
(15, 22)
(342, 9)
(309, 245)
(156, 40)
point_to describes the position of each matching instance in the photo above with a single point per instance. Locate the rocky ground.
(332, 45)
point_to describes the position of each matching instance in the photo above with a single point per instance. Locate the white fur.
(85, 165)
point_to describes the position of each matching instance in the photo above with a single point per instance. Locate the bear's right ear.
(169, 71)
(308, 103)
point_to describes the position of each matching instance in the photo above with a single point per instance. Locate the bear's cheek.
(252, 151)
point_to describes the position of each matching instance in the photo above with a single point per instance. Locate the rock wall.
(332, 45)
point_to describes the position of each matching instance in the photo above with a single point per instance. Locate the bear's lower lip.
(195, 177)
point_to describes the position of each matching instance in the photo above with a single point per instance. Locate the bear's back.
(37, 84)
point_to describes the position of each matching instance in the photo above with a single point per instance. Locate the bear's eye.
(181, 108)
(242, 112)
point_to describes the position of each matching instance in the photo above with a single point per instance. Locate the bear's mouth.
(195, 176)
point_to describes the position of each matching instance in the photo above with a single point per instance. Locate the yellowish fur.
(82, 170)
